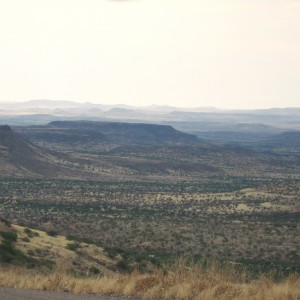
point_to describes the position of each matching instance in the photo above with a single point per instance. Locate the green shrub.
(70, 237)
(5, 256)
(6, 222)
(8, 253)
(95, 271)
(73, 246)
(30, 233)
(113, 251)
(9, 236)
(30, 252)
(52, 233)
(123, 265)
(6, 246)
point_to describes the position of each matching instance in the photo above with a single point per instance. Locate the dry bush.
(182, 281)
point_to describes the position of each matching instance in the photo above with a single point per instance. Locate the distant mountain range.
(64, 107)
(191, 120)
(52, 105)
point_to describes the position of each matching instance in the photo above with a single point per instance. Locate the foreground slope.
(182, 279)
(22, 246)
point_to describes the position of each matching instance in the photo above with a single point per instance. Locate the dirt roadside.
(19, 294)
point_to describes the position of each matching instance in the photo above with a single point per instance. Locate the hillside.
(26, 247)
(180, 280)
(287, 142)
(19, 158)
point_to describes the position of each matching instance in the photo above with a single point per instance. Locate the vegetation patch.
(73, 246)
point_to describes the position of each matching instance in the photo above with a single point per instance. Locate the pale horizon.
(233, 55)
(149, 105)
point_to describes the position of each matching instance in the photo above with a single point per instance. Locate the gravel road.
(19, 294)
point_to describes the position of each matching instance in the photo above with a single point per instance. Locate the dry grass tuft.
(180, 281)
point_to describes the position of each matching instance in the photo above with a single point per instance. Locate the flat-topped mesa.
(5, 128)
(124, 133)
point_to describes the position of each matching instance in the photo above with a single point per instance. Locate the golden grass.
(178, 281)
(55, 248)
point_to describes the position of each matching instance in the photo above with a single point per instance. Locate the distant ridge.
(80, 108)
(131, 133)
(72, 132)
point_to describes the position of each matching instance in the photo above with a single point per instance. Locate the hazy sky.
(222, 53)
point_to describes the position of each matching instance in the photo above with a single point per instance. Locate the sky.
(188, 53)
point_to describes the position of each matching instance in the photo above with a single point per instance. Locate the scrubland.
(257, 226)
(265, 232)
(116, 221)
